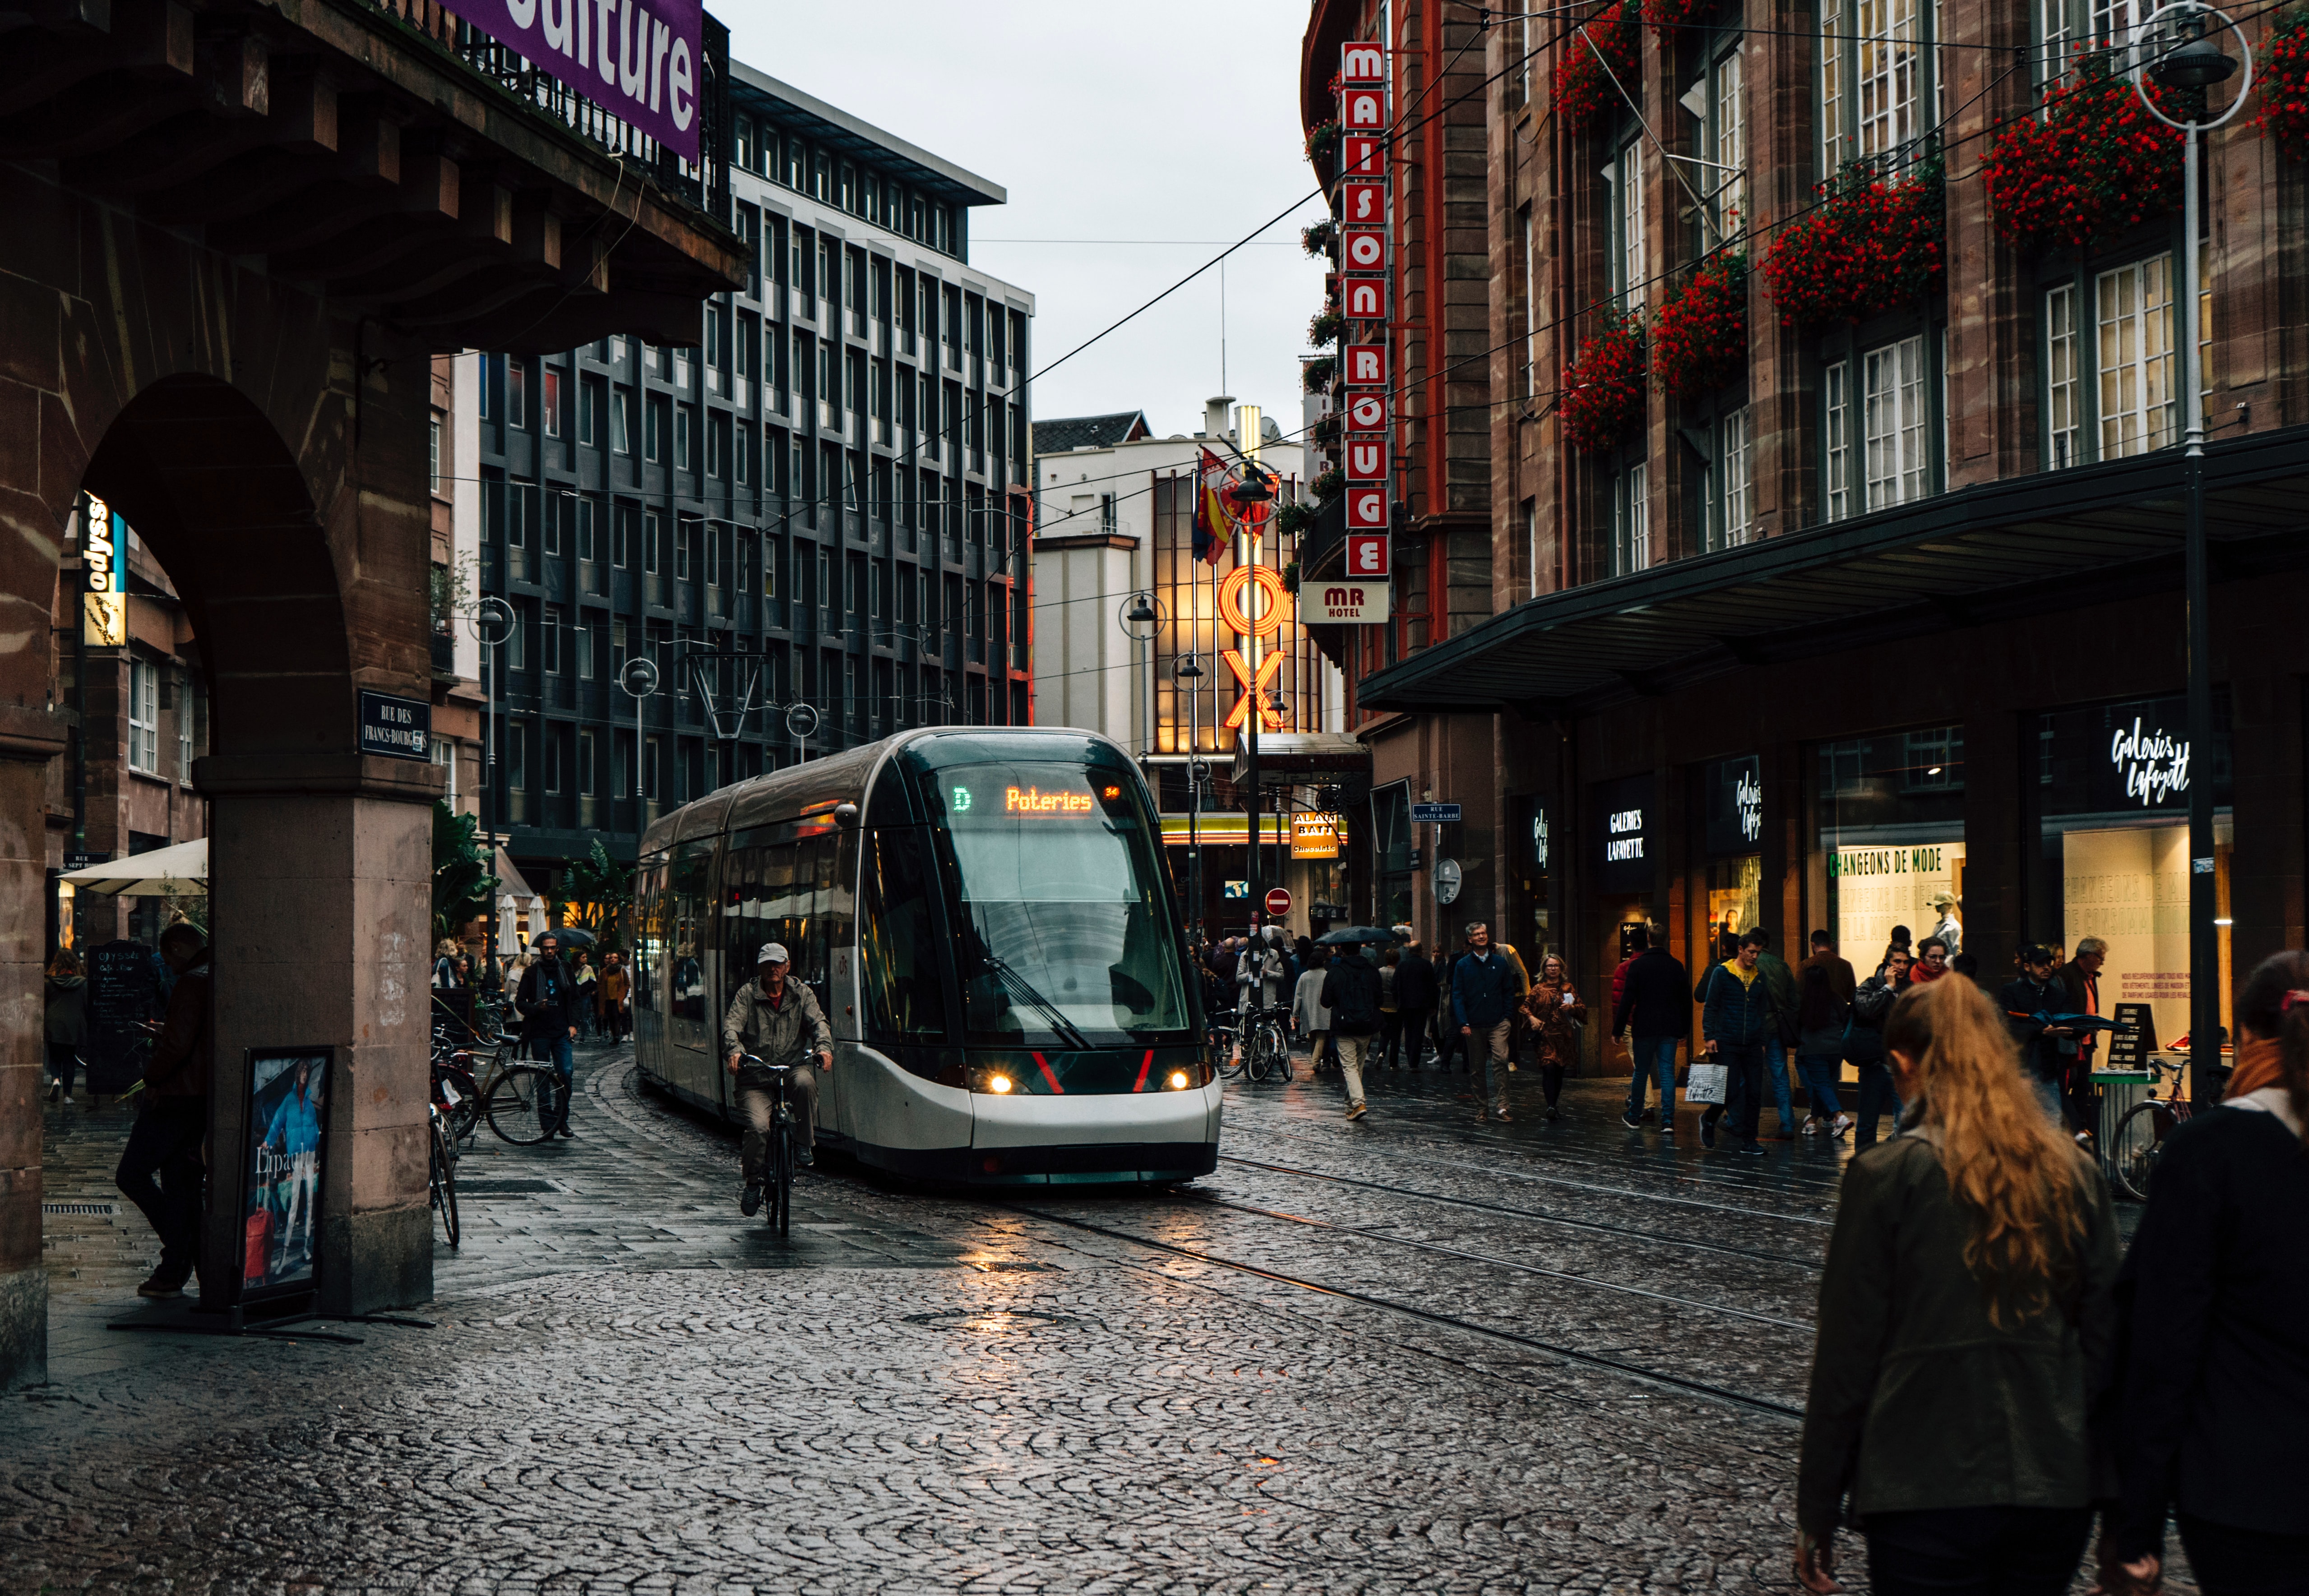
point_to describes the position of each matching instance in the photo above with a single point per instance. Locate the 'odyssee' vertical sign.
(641, 60)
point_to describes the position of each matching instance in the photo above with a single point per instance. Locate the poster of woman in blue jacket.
(288, 1100)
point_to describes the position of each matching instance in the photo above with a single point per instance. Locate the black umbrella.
(570, 936)
(1345, 934)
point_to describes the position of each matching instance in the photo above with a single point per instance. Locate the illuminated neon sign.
(1271, 595)
(1034, 801)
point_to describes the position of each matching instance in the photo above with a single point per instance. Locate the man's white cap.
(773, 953)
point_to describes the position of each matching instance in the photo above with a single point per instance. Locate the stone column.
(30, 737)
(321, 898)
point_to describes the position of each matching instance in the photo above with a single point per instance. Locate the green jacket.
(785, 1034)
(1917, 1400)
(1781, 982)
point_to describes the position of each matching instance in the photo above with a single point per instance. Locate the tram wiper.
(1019, 984)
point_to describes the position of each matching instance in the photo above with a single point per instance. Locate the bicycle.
(1266, 1044)
(442, 1178)
(2140, 1140)
(1226, 1056)
(524, 1103)
(780, 1184)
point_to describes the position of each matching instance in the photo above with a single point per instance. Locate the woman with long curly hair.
(1965, 1309)
(2215, 1302)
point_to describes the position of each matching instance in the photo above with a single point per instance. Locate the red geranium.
(1872, 244)
(2284, 76)
(1668, 17)
(1699, 338)
(1583, 92)
(2095, 165)
(1601, 395)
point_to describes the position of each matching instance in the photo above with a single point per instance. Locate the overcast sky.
(1100, 129)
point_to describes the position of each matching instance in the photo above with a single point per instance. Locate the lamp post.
(1256, 488)
(492, 621)
(2173, 49)
(1140, 611)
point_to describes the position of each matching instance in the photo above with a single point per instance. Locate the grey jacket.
(786, 1033)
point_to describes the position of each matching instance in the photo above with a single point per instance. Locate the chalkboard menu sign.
(2133, 1039)
(124, 990)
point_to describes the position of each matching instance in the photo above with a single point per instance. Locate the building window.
(143, 718)
(1875, 55)
(552, 640)
(1739, 508)
(517, 394)
(684, 439)
(552, 402)
(1896, 423)
(1836, 389)
(621, 422)
(444, 758)
(681, 533)
(1729, 179)
(433, 473)
(2137, 383)
(581, 637)
(517, 756)
(1631, 534)
(554, 506)
(2065, 426)
(1106, 519)
(1623, 181)
(586, 773)
(589, 401)
(184, 728)
(654, 429)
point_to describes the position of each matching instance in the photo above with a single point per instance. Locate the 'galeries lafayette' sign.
(642, 61)
(2152, 763)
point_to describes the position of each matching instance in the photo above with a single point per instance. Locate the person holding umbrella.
(1351, 994)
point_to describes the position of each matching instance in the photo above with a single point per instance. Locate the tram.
(986, 919)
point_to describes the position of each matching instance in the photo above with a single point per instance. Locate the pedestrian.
(582, 976)
(1350, 995)
(1416, 992)
(1635, 948)
(444, 962)
(1824, 992)
(1554, 1012)
(2080, 979)
(1863, 1045)
(1654, 1012)
(161, 1170)
(616, 998)
(1968, 966)
(2029, 1000)
(1781, 982)
(1390, 1018)
(65, 1022)
(1735, 1017)
(2215, 1295)
(1485, 995)
(1930, 963)
(1899, 943)
(1308, 1017)
(1966, 1313)
(546, 1000)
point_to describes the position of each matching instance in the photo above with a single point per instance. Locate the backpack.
(1356, 1012)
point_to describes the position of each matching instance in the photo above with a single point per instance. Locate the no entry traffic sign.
(1278, 902)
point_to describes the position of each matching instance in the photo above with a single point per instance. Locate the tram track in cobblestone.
(1633, 1371)
(1534, 1216)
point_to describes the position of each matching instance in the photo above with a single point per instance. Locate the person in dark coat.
(1350, 995)
(1967, 1316)
(1737, 1014)
(1415, 992)
(1486, 990)
(2214, 1299)
(1824, 992)
(1864, 1045)
(2046, 1050)
(1653, 1011)
(548, 1002)
(65, 1022)
(160, 1169)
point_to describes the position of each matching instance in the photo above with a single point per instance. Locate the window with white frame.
(1631, 533)
(1836, 392)
(445, 755)
(1738, 477)
(185, 706)
(1835, 143)
(1895, 426)
(2133, 307)
(2063, 393)
(1626, 178)
(143, 718)
(1876, 78)
(1728, 179)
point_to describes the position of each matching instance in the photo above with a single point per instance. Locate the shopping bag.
(257, 1259)
(1708, 1082)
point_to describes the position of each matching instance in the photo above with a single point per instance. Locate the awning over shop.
(182, 869)
(2031, 545)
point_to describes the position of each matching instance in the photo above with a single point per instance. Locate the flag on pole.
(1212, 532)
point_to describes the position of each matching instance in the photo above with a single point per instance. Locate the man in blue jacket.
(1736, 1015)
(1484, 992)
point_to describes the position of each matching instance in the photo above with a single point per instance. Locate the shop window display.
(2113, 784)
(1891, 838)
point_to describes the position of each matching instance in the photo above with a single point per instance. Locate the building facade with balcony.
(1836, 504)
(824, 501)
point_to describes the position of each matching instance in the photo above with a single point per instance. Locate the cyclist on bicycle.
(779, 1023)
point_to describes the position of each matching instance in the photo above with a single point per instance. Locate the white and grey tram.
(987, 918)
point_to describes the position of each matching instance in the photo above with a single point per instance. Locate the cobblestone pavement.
(1408, 1353)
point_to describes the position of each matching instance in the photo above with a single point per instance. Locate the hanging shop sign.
(1535, 839)
(281, 1178)
(1367, 507)
(1733, 796)
(1621, 854)
(1367, 412)
(642, 61)
(1366, 460)
(1361, 62)
(1364, 598)
(1362, 110)
(104, 607)
(1314, 836)
(1363, 155)
(1362, 205)
(1366, 298)
(1350, 603)
(1368, 556)
(1366, 364)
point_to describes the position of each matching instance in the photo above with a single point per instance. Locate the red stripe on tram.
(1053, 1079)
(1145, 1064)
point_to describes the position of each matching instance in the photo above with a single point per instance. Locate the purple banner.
(641, 62)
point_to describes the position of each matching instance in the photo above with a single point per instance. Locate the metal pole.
(2204, 898)
(1252, 806)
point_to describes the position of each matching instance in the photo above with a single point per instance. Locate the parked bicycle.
(442, 1176)
(778, 1186)
(524, 1102)
(2140, 1139)
(1266, 1043)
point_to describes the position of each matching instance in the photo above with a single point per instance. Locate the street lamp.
(1141, 618)
(2196, 62)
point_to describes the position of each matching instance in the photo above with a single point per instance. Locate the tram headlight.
(1180, 1081)
(998, 1083)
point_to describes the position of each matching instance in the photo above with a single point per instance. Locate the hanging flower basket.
(1323, 140)
(1325, 328)
(1670, 17)
(1600, 394)
(1292, 520)
(1316, 374)
(1870, 245)
(2094, 166)
(1328, 486)
(1584, 95)
(1325, 430)
(2283, 77)
(1316, 240)
(1699, 338)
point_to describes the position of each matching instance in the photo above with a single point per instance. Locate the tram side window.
(649, 934)
(757, 882)
(899, 975)
(690, 868)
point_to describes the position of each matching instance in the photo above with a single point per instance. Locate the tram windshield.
(1058, 903)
